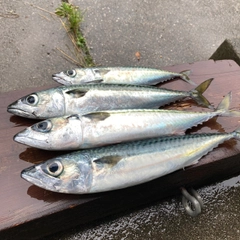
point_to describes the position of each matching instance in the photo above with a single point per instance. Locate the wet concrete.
(164, 33)
(168, 219)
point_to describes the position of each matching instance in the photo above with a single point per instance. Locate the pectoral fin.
(95, 81)
(106, 162)
(97, 116)
(76, 93)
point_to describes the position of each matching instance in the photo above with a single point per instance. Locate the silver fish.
(80, 99)
(118, 75)
(122, 165)
(103, 128)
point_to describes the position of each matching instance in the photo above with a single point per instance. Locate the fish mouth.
(28, 175)
(58, 78)
(24, 137)
(36, 176)
(21, 113)
(19, 138)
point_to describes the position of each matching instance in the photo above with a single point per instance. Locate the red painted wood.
(30, 212)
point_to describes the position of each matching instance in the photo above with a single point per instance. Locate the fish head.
(78, 76)
(62, 133)
(39, 105)
(70, 77)
(62, 174)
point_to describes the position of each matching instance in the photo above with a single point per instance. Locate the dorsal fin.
(103, 71)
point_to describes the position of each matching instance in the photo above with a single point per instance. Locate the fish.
(97, 129)
(122, 165)
(118, 75)
(80, 99)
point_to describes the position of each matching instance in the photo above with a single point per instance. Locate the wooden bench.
(28, 212)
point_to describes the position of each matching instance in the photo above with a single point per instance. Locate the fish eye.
(32, 99)
(71, 73)
(44, 126)
(54, 168)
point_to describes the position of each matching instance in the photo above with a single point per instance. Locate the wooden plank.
(29, 212)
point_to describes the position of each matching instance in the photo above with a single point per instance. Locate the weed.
(74, 18)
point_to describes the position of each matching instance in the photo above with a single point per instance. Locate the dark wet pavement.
(168, 220)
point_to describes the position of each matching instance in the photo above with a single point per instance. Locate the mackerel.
(122, 165)
(81, 99)
(118, 75)
(107, 127)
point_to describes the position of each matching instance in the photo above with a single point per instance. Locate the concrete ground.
(162, 32)
(29, 41)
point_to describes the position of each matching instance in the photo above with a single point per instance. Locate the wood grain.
(29, 212)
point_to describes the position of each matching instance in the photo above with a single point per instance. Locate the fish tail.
(223, 107)
(185, 77)
(196, 93)
(236, 133)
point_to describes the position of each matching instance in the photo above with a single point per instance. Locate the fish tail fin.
(223, 107)
(185, 77)
(225, 103)
(237, 133)
(196, 93)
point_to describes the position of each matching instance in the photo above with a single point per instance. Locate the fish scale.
(123, 165)
(107, 127)
(81, 99)
(116, 75)
(158, 156)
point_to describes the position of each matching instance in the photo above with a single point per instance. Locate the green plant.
(74, 18)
